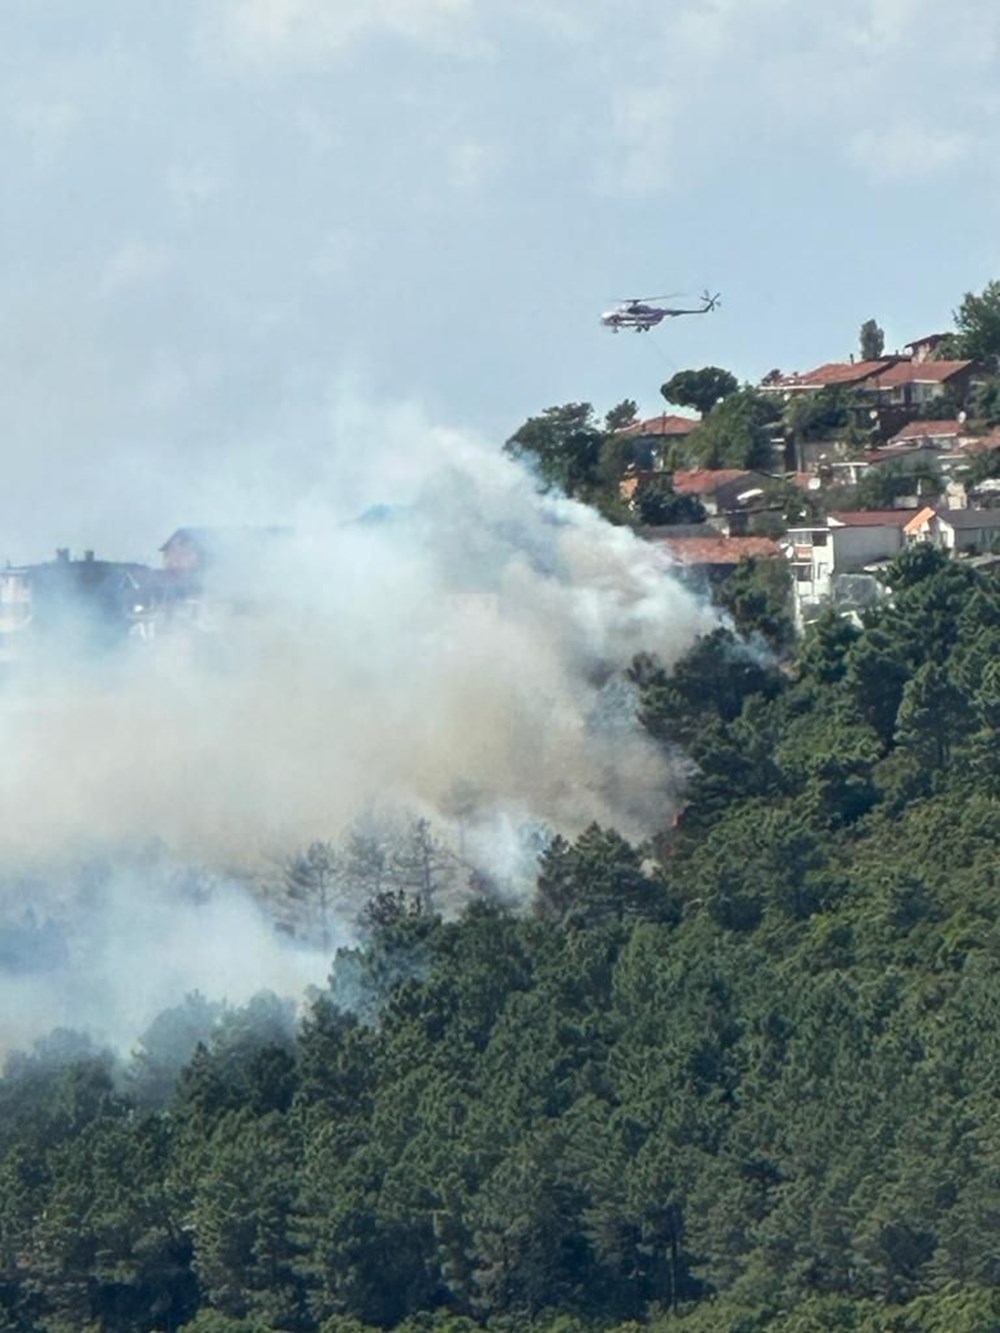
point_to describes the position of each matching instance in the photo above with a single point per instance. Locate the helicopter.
(639, 315)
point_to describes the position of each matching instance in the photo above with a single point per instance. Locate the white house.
(955, 530)
(845, 544)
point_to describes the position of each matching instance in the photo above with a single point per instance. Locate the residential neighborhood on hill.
(832, 470)
(814, 480)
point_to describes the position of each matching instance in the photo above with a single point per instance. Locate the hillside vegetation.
(751, 1082)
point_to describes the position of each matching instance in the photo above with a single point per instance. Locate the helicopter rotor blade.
(669, 296)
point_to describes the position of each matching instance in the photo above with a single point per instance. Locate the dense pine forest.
(745, 1078)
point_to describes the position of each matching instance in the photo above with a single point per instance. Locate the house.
(667, 426)
(727, 495)
(209, 574)
(723, 490)
(851, 379)
(80, 604)
(653, 437)
(227, 561)
(833, 374)
(906, 456)
(956, 531)
(846, 544)
(925, 349)
(15, 609)
(198, 550)
(714, 557)
(946, 435)
(913, 384)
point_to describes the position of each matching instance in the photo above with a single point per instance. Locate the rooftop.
(969, 519)
(665, 425)
(928, 340)
(720, 550)
(923, 372)
(919, 519)
(921, 430)
(871, 518)
(833, 372)
(703, 480)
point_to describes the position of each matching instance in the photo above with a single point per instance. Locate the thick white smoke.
(430, 624)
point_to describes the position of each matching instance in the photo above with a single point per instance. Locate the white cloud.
(265, 32)
(135, 264)
(320, 134)
(337, 255)
(853, 86)
(645, 120)
(567, 22)
(191, 185)
(47, 126)
(906, 151)
(470, 165)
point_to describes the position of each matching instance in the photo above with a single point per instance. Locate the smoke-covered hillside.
(455, 656)
(751, 1088)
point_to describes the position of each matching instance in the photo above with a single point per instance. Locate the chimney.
(62, 554)
(88, 555)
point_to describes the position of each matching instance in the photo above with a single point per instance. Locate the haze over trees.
(564, 446)
(744, 1078)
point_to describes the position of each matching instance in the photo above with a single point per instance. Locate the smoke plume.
(426, 632)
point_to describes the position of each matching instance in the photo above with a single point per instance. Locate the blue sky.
(239, 236)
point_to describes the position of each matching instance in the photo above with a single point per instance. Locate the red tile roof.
(703, 480)
(664, 425)
(873, 518)
(927, 372)
(719, 550)
(919, 430)
(834, 372)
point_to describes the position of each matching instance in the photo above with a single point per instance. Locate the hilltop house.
(713, 557)
(892, 381)
(833, 374)
(955, 530)
(722, 490)
(913, 384)
(85, 603)
(846, 544)
(925, 349)
(879, 396)
(728, 495)
(198, 550)
(654, 436)
(944, 435)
